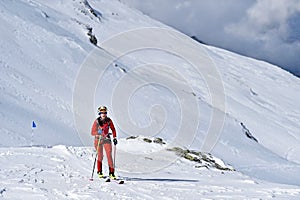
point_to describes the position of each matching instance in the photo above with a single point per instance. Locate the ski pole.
(115, 149)
(91, 179)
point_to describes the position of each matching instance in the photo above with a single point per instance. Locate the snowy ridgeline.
(62, 172)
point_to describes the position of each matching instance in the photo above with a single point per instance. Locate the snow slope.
(44, 47)
(62, 172)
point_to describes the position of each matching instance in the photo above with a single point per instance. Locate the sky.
(268, 30)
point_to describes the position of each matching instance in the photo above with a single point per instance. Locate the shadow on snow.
(159, 179)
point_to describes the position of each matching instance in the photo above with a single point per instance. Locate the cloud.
(274, 26)
(263, 29)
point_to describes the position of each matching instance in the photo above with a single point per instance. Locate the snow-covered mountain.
(245, 111)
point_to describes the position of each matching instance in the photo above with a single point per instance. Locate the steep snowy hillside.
(156, 82)
(43, 44)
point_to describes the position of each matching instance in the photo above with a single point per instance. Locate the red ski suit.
(104, 125)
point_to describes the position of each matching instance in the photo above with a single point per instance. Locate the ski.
(118, 181)
(105, 179)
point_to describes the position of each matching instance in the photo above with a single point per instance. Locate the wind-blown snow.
(43, 45)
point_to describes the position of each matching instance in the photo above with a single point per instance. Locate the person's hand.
(115, 141)
(99, 131)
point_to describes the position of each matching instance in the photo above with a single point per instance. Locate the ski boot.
(112, 176)
(100, 175)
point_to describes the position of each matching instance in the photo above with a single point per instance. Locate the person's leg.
(108, 150)
(100, 156)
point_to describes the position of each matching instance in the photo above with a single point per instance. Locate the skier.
(100, 130)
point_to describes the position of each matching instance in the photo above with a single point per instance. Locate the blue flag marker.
(33, 124)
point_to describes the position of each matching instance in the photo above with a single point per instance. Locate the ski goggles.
(102, 113)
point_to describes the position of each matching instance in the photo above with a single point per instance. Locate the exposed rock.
(206, 160)
(159, 141)
(92, 37)
(131, 137)
(147, 140)
(247, 133)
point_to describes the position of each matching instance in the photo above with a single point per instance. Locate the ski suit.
(105, 141)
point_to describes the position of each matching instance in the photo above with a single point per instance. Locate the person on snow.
(100, 131)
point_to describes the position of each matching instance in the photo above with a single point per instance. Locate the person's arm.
(94, 130)
(112, 127)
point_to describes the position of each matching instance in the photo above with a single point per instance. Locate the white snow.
(63, 172)
(43, 48)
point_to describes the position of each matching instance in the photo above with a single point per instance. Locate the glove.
(115, 141)
(99, 131)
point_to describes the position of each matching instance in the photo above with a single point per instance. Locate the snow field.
(62, 172)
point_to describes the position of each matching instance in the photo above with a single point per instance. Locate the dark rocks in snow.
(2, 191)
(92, 37)
(121, 68)
(45, 14)
(131, 137)
(93, 11)
(196, 39)
(204, 159)
(155, 140)
(159, 141)
(247, 132)
(147, 140)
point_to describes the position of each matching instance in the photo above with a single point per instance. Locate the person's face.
(103, 114)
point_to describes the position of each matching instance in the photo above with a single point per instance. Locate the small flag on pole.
(33, 124)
